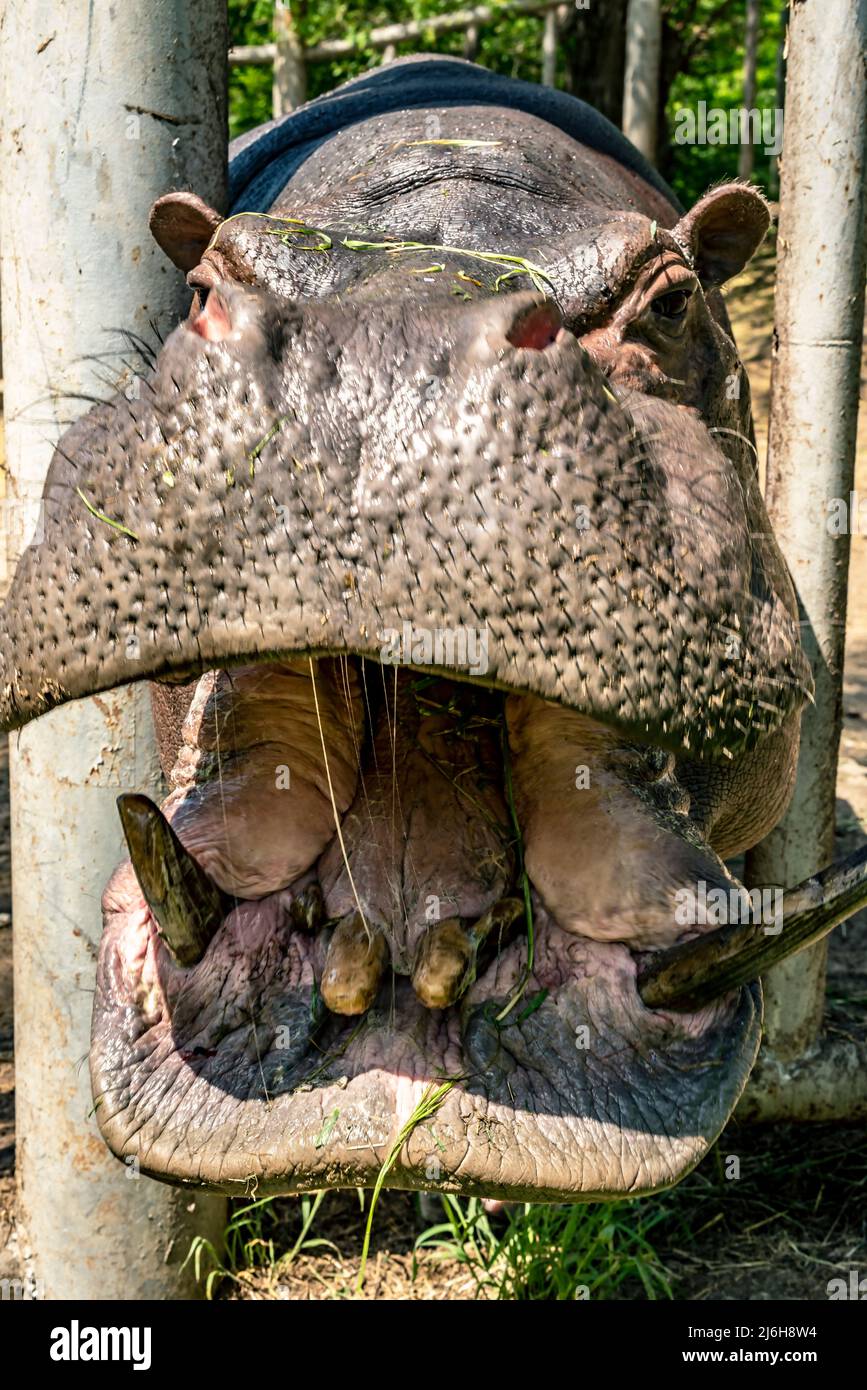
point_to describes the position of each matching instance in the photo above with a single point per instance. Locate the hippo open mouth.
(350, 930)
(474, 655)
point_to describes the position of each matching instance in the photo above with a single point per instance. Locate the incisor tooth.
(449, 955)
(354, 962)
(443, 964)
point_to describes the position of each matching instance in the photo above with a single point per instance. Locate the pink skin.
(607, 863)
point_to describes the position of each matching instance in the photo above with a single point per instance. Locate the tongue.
(607, 840)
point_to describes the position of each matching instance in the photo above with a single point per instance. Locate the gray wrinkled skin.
(389, 437)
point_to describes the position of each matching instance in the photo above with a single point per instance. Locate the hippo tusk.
(186, 904)
(694, 973)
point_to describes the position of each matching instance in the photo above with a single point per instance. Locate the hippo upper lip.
(299, 538)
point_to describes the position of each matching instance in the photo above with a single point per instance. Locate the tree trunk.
(641, 79)
(746, 156)
(290, 74)
(774, 171)
(595, 56)
(549, 50)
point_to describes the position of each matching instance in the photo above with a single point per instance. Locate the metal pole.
(811, 443)
(641, 82)
(103, 108)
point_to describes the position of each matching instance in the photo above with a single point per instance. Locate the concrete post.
(103, 108)
(811, 445)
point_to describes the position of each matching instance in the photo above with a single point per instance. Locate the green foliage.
(531, 1252)
(512, 47)
(714, 39)
(249, 87)
(703, 58)
(546, 1253)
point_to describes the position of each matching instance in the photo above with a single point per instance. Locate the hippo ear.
(723, 231)
(183, 225)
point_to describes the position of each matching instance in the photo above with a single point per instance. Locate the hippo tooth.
(354, 964)
(307, 908)
(695, 972)
(187, 906)
(448, 956)
(443, 964)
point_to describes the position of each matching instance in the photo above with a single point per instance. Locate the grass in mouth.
(524, 881)
(425, 1110)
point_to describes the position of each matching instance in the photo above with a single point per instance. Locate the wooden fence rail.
(289, 57)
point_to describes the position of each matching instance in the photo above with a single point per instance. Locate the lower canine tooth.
(354, 962)
(186, 905)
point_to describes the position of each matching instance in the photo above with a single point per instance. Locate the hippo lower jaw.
(229, 1071)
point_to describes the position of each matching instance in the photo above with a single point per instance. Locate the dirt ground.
(796, 1219)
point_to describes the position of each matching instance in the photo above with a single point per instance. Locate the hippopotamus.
(436, 526)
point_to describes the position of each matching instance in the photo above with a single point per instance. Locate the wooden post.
(811, 444)
(641, 85)
(747, 153)
(471, 42)
(549, 50)
(290, 75)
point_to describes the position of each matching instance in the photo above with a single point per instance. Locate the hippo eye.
(672, 305)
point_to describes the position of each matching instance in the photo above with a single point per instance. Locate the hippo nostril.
(538, 328)
(213, 322)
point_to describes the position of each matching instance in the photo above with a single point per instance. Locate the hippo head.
(436, 525)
